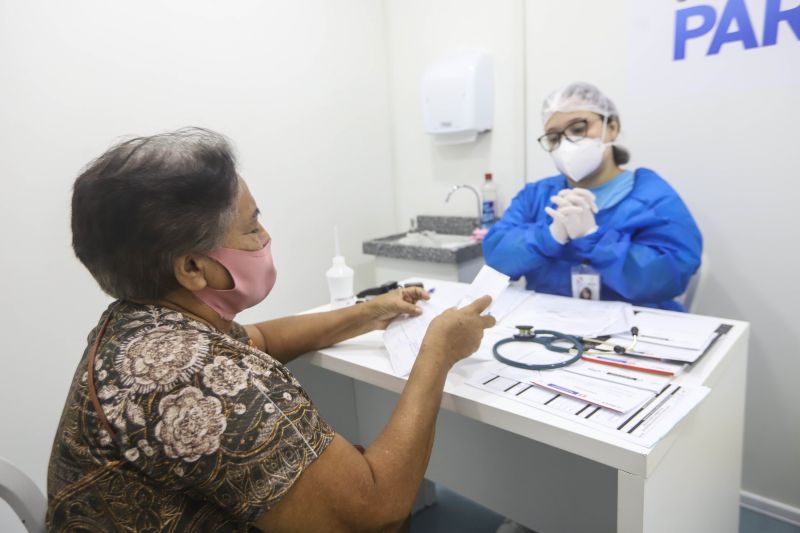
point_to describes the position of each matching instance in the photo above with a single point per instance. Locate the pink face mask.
(253, 276)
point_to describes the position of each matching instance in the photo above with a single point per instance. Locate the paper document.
(508, 302)
(645, 425)
(657, 352)
(684, 331)
(585, 318)
(488, 281)
(641, 364)
(403, 337)
(621, 376)
(447, 295)
(678, 338)
(605, 393)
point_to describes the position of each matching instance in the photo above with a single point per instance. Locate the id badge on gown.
(585, 282)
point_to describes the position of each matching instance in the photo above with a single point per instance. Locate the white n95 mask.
(579, 159)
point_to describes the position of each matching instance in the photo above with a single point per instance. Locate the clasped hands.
(574, 217)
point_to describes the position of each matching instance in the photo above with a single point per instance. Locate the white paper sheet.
(663, 415)
(645, 426)
(678, 338)
(631, 378)
(573, 316)
(641, 364)
(446, 295)
(647, 350)
(488, 281)
(403, 337)
(509, 301)
(689, 332)
(614, 396)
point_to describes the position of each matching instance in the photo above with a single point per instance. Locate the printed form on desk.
(634, 396)
(654, 414)
(666, 343)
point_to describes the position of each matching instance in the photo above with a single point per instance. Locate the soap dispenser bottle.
(340, 278)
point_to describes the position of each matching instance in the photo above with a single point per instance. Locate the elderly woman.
(179, 418)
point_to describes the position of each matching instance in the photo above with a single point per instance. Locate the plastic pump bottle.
(340, 278)
(489, 193)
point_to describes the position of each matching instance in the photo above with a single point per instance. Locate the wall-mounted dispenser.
(458, 98)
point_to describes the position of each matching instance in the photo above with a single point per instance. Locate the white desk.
(547, 472)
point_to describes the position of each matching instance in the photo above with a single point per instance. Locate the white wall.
(422, 32)
(300, 88)
(723, 132)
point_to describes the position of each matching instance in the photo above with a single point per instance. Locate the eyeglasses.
(573, 133)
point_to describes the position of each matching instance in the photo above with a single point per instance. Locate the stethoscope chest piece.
(524, 333)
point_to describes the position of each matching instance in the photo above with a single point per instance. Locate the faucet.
(477, 200)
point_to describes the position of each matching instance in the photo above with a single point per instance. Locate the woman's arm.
(344, 490)
(520, 242)
(650, 264)
(288, 337)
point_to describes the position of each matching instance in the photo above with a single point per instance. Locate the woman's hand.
(387, 307)
(578, 196)
(457, 333)
(575, 214)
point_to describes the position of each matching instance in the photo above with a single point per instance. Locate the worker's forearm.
(399, 456)
(288, 337)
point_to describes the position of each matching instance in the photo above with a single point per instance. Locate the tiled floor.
(455, 514)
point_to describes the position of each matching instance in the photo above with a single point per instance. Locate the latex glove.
(572, 200)
(578, 196)
(577, 218)
(557, 229)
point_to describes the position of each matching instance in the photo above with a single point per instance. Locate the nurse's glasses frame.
(574, 132)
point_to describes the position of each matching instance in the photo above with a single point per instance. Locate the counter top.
(388, 247)
(442, 225)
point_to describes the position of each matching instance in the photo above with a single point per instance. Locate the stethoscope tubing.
(553, 336)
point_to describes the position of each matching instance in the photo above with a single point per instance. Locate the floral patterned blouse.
(210, 432)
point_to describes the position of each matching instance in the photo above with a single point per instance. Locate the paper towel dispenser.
(458, 97)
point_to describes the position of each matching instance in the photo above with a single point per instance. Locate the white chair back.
(689, 298)
(23, 496)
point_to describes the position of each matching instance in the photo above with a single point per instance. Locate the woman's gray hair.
(148, 200)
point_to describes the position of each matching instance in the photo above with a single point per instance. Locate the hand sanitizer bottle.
(340, 278)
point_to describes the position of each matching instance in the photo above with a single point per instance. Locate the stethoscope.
(558, 342)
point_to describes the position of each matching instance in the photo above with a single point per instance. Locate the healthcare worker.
(628, 228)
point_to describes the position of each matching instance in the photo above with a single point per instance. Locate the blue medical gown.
(646, 248)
